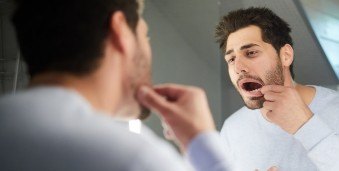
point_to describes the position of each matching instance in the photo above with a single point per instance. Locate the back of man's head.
(67, 36)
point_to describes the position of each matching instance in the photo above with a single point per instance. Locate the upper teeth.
(255, 90)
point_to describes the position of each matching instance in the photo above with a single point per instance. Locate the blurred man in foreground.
(89, 63)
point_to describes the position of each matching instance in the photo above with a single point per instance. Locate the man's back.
(56, 129)
(257, 143)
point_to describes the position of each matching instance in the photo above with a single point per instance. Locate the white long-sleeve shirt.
(51, 128)
(258, 144)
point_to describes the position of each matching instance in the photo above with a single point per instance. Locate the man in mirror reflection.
(285, 124)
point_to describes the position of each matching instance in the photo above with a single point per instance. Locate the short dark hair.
(67, 35)
(274, 29)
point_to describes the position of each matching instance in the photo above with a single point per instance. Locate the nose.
(240, 65)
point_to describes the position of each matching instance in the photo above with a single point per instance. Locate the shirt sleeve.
(206, 152)
(321, 142)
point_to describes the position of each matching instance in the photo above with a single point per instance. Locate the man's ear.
(121, 35)
(286, 55)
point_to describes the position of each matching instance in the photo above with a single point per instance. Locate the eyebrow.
(242, 48)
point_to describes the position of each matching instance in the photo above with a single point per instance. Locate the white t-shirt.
(52, 128)
(259, 144)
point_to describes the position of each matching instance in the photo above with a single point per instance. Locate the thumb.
(274, 168)
(150, 99)
(168, 132)
(288, 81)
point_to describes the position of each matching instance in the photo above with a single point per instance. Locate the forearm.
(206, 152)
(321, 142)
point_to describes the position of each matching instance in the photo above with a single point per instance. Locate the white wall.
(175, 61)
(324, 19)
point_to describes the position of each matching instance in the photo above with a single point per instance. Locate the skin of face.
(143, 57)
(143, 63)
(139, 69)
(251, 60)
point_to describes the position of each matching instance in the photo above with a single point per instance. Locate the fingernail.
(274, 168)
(143, 90)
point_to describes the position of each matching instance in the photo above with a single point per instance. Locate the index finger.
(150, 99)
(171, 91)
(274, 168)
(272, 88)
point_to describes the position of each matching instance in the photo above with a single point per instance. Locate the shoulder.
(85, 144)
(325, 90)
(326, 98)
(326, 105)
(61, 131)
(42, 100)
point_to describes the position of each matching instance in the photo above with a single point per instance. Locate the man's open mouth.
(251, 86)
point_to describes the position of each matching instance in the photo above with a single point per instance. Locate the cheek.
(146, 47)
(232, 75)
(268, 72)
(262, 66)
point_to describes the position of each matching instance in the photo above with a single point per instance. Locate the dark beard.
(142, 77)
(258, 100)
(272, 77)
(145, 113)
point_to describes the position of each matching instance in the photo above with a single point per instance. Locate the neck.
(307, 93)
(100, 97)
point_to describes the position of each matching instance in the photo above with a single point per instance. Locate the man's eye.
(251, 53)
(230, 60)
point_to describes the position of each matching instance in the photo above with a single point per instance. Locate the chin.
(138, 111)
(254, 103)
(135, 111)
(129, 111)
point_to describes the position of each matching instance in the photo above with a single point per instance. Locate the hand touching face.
(284, 106)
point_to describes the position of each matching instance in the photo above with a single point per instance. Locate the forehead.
(247, 35)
